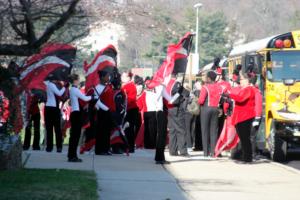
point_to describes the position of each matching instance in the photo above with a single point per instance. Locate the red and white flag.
(176, 61)
(54, 60)
(106, 59)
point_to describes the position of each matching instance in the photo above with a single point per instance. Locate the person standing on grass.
(76, 119)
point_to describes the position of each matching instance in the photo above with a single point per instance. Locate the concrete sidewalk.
(119, 177)
(137, 177)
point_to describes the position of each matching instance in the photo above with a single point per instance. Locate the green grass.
(50, 184)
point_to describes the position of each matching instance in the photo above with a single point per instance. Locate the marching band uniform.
(52, 116)
(176, 122)
(104, 105)
(150, 121)
(132, 116)
(161, 116)
(76, 122)
(209, 99)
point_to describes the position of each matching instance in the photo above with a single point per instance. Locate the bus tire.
(278, 147)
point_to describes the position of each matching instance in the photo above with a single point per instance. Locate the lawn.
(50, 184)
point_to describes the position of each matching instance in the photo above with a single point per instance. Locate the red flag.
(228, 138)
(176, 61)
(105, 59)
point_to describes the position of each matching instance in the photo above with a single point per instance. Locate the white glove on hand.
(255, 123)
(174, 98)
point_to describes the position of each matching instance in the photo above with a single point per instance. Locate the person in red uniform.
(244, 114)
(258, 113)
(34, 117)
(209, 99)
(104, 95)
(133, 116)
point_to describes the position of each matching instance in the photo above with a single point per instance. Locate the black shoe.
(48, 150)
(163, 162)
(74, 160)
(36, 148)
(59, 150)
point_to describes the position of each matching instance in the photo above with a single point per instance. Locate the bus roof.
(251, 46)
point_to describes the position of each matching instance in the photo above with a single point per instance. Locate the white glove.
(255, 123)
(174, 98)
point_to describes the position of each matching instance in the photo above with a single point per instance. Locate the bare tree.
(26, 25)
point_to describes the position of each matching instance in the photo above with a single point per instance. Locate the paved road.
(215, 179)
(293, 160)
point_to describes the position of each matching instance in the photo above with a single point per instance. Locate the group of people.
(157, 114)
(241, 101)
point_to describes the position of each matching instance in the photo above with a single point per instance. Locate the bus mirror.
(288, 82)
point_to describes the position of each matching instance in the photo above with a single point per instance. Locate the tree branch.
(31, 38)
(20, 50)
(56, 25)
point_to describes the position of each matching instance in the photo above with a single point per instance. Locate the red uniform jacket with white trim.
(244, 108)
(210, 95)
(107, 98)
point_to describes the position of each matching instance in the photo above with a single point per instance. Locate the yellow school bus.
(277, 61)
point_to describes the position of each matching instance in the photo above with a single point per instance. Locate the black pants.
(104, 127)
(75, 132)
(150, 130)
(161, 135)
(134, 119)
(243, 129)
(177, 131)
(209, 129)
(35, 120)
(197, 133)
(52, 120)
(90, 132)
(189, 127)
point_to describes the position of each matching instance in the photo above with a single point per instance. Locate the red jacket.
(107, 97)
(225, 85)
(32, 104)
(258, 102)
(130, 90)
(244, 107)
(210, 95)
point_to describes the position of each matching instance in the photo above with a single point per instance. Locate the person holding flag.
(76, 122)
(52, 113)
(176, 119)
